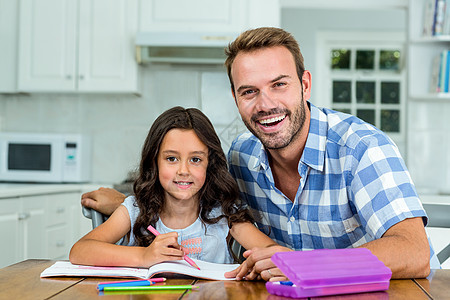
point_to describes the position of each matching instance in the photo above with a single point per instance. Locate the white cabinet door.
(47, 45)
(32, 223)
(9, 232)
(8, 45)
(106, 45)
(215, 16)
(77, 45)
(176, 15)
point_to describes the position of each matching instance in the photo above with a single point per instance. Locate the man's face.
(269, 95)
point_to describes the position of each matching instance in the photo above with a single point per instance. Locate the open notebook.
(207, 270)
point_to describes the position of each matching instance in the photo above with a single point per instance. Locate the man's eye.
(279, 84)
(248, 92)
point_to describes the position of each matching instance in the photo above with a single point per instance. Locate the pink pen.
(186, 258)
(153, 280)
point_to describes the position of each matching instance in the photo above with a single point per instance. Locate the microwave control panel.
(71, 154)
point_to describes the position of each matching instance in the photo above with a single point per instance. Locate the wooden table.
(22, 281)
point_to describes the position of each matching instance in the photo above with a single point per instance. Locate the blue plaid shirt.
(354, 186)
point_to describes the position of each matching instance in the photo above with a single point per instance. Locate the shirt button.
(292, 219)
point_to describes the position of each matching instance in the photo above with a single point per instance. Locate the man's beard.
(277, 140)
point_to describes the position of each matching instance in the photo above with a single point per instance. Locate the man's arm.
(404, 249)
(104, 200)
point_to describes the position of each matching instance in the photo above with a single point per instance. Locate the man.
(315, 178)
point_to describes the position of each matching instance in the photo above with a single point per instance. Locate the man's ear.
(306, 84)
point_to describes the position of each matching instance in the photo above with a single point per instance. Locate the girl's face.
(182, 164)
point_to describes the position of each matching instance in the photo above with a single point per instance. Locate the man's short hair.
(260, 38)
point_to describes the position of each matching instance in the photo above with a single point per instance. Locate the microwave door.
(33, 161)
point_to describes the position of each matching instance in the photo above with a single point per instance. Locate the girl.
(185, 191)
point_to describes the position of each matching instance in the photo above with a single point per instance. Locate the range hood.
(186, 48)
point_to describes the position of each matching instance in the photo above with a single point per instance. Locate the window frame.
(363, 40)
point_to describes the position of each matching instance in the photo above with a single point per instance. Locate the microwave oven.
(44, 157)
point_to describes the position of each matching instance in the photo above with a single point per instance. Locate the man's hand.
(104, 200)
(258, 262)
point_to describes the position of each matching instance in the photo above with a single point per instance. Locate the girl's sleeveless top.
(205, 242)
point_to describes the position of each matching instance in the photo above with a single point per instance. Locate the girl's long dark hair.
(219, 189)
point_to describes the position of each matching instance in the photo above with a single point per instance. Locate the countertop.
(435, 199)
(11, 190)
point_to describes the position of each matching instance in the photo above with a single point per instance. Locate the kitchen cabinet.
(41, 225)
(8, 45)
(216, 16)
(21, 227)
(9, 231)
(77, 46)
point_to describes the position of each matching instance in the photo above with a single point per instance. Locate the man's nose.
(265, 101)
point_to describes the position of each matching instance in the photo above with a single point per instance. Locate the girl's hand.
(163, 248)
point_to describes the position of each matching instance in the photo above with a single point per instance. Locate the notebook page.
(207, 270)
(65, 268)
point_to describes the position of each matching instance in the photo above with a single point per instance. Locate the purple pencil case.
(329, 272)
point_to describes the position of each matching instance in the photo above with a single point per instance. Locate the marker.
(150, 288)
(158, 279)
(101, 287)
(186, 258)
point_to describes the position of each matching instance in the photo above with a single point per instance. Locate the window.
(366, 78)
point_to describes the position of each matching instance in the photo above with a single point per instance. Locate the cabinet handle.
(59, 244)
(68, 77)
(24, 216)
(60, 210)
(81, 77)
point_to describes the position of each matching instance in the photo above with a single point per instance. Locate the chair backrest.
(97, 219)
(439, 216)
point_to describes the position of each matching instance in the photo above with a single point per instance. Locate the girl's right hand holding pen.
(163, 248)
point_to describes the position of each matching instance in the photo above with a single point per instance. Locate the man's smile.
(271, 121)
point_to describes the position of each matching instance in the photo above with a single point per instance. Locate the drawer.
(57, 209)
(58, 242)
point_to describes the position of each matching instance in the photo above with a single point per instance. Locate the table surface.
(22, 281)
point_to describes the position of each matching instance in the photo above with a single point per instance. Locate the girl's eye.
(171, 158)
(196, 159)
